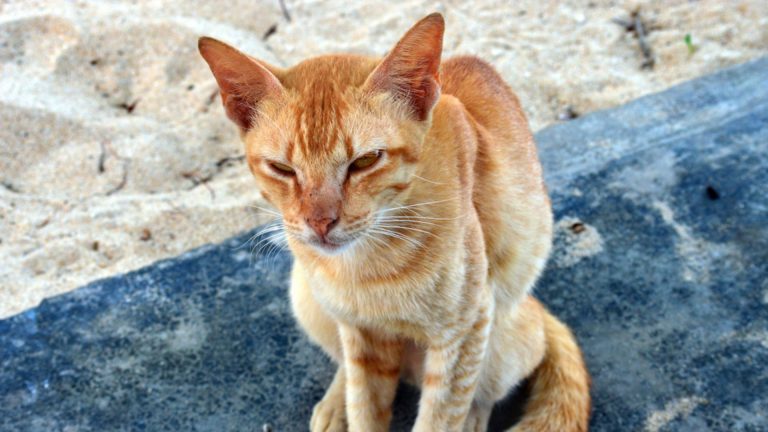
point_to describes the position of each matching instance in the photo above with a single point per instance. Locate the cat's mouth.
(330, 246)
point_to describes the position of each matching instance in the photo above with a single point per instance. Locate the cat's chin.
(330, 248)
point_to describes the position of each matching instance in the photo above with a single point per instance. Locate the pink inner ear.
(243, 82)
(238, 110)
(241, 94)
(411, 70)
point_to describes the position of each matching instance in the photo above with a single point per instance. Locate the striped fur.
(420, 265)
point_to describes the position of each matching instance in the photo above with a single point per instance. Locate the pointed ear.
(410, 72)
(243, 82)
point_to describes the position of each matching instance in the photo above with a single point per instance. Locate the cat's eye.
(365, 161)
(282, 169)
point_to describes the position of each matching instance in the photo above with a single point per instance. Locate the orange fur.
(420, 264)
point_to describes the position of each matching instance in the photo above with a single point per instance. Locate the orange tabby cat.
(413, 202)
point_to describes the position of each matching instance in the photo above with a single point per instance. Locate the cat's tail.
(559, 399)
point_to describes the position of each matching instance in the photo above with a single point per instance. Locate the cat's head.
(333, 142)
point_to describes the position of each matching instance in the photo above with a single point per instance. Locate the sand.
(115, 152)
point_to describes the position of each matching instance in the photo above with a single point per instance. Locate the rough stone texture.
(660, 267)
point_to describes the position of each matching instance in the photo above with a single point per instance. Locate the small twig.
(124, 180)
(176, 209)
(286, 14)
(644, 47)
(102, 157)
(223, 161)
(10, 187)
(210, 189)
(129, 107)
(212, 97)
(197, 181)
(210, 100)
(568, 113)
(270, 31)
(636, 25)
(623, 23)
(195, 178)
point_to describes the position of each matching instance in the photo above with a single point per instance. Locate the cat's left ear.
(411, 71)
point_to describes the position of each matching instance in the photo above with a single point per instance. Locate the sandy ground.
(115, 152)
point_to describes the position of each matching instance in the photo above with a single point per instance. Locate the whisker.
(270, 247)
(250, 239)
(270, 227)
(427, 180)
(416, 205)
(266, 239)
(396, 219)
(274, 251)
(266, 210)
(415, 215)
(373, 237)
(397, 235)
(364, 242)
(271, 238)
(409, 228)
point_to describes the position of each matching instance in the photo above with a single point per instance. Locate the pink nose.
(322, 225)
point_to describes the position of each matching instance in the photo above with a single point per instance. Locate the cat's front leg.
(451, 373)
(372, 364)
(329, 414)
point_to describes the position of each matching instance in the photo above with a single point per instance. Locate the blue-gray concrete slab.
(660, 266)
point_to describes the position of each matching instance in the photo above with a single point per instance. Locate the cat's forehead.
(320, 115)
(338, 71)
(322, 122)
(316, 123)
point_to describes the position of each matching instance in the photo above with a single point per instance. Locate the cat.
(413, 202)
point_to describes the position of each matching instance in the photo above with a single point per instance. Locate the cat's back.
(488, 99)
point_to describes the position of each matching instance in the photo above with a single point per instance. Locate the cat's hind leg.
(516, 346)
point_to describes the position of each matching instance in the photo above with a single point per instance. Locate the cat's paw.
(474, 425)
(477, 420)
(329, 415)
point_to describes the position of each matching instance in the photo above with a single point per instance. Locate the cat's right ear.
(243, 82)
(411, 71)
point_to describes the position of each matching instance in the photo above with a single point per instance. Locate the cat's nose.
(322, 226)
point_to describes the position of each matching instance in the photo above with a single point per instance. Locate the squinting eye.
(365, 161)
(282, 168)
